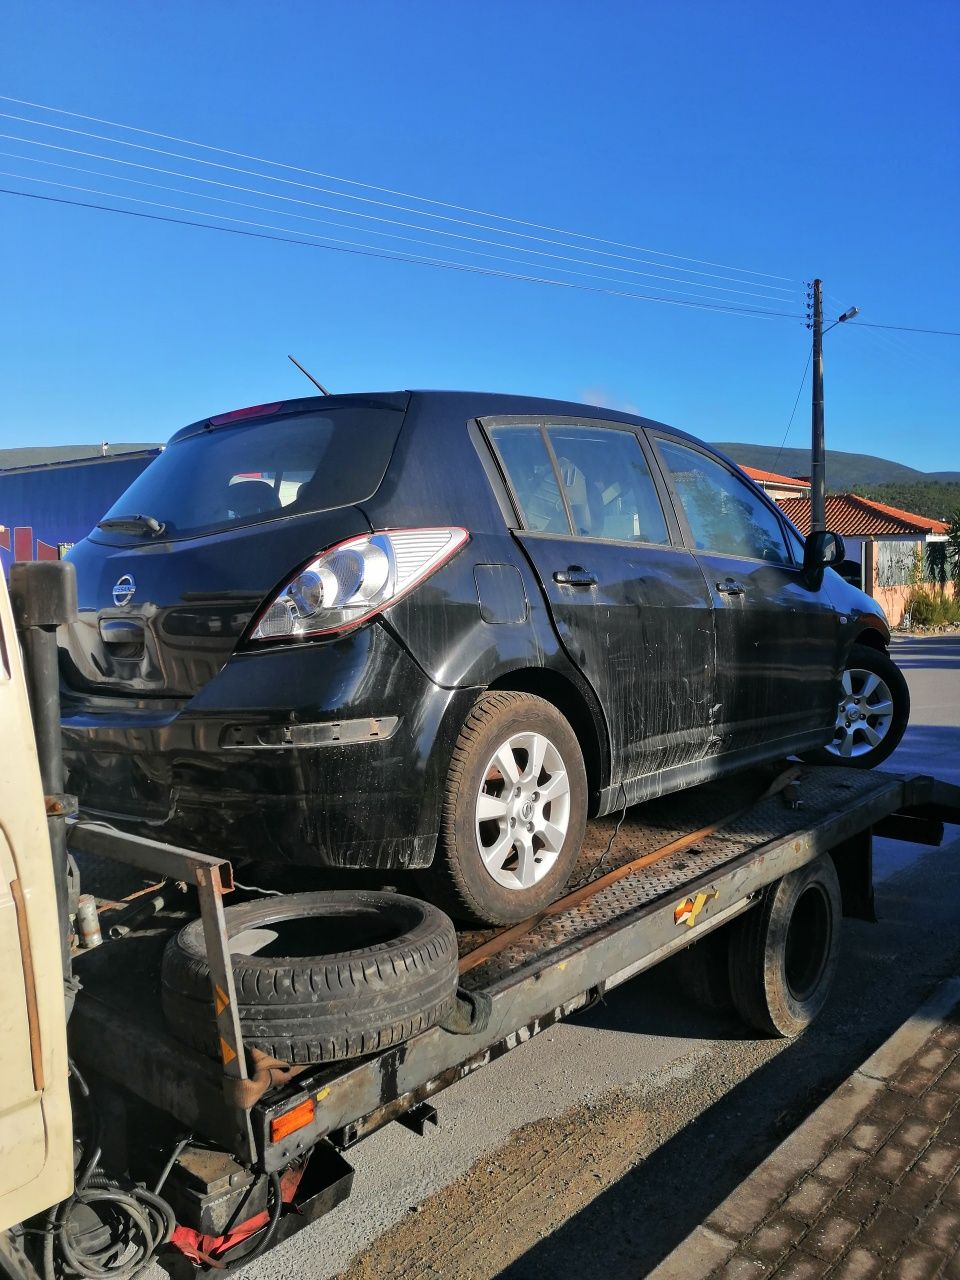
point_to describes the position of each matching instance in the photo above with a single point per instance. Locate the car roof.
(460, 405)
(480, 404)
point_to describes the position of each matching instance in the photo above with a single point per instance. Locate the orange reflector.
(296, 1118)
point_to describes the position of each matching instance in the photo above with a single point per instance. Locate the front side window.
(796, 544)
(723, 513)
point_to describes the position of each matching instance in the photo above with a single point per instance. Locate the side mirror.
(821, 549)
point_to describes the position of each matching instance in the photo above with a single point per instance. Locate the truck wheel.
(872, 713)
(783, 953)
(514, 811)
(703, 971)
(319, 976)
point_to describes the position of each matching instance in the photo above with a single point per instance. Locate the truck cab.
(36, 1127)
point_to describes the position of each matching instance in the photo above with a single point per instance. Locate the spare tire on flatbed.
(319, 976)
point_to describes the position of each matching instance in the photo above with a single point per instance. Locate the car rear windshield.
(252, 472)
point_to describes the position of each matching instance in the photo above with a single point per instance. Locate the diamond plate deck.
(824, 791)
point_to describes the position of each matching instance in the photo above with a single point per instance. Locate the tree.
(953, 547)
(938, 565)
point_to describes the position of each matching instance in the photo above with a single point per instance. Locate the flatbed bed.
(730, 841)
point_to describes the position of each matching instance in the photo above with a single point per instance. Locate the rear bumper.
(328, 755)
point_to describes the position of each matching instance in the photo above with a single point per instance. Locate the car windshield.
(257, 471)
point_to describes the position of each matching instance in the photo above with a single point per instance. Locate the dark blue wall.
(63, 502)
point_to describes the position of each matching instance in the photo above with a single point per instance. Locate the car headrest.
(251, 498)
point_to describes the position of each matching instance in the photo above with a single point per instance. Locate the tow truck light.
(297, 1117)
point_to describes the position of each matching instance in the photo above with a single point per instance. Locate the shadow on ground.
(929, 651)
(635, 1223)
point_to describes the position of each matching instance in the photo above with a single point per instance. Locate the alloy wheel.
(864, 715)
(522, 810)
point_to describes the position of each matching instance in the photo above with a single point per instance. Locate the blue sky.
(789, 140)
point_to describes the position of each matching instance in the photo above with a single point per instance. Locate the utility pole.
(818, 517)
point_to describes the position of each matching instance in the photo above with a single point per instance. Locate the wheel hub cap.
(864, 715)
(522, 810)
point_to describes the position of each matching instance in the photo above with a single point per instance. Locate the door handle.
(575, 576)
(730, 587)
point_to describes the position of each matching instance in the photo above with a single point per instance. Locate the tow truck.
(120, 1145)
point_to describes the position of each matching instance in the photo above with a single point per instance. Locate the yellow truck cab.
(36, 1130)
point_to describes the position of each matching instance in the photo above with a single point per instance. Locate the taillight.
(355, 580)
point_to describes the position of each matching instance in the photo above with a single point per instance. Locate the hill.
(845, 471)
(932, 498)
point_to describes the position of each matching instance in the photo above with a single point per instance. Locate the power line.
(244, 204)
(803, 379)
(374, 218)
(241, 155)
(339, 247)
(905, 328)
(343, 195)
(307, 204)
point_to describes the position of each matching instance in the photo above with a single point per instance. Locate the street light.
(818, 498)
(847, 315)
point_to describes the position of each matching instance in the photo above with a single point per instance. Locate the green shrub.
(921, 608)
(928, 610)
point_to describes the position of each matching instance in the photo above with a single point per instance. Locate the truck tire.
(702, 972)
(783, 953)
(872, 714)
(514, 811)
(306, 991)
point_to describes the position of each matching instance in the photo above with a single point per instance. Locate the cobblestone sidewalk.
(868, 1186)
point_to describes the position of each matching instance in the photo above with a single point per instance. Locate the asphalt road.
(600, 1144)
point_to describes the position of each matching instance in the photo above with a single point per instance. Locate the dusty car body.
(616, 568)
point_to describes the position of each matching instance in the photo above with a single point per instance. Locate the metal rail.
(212, 878)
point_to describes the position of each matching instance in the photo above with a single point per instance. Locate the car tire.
(783, 953)
(875, 705)
(509, 843)
(314, 1005)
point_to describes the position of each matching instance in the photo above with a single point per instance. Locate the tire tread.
(323, 1008)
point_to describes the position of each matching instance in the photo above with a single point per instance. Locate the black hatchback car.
(437, 629)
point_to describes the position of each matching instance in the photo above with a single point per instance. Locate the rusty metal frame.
(354, 1099)
(212, 878)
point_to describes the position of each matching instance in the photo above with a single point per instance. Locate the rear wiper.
(134, 524)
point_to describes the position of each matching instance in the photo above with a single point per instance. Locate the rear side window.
(608, 484)
(601, 479)
(723, 513)
(524, 455)
(258, 471)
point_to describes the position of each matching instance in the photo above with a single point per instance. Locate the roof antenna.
(323, 390)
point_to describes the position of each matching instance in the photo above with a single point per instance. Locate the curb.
(711, 1244)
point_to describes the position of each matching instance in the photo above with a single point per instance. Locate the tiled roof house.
(855, 517)
(884, 540)
(778, 486)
